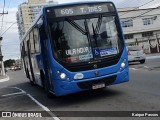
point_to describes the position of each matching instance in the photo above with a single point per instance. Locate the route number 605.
(66, 11)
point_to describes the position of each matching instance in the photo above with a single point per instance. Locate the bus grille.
(89, 84)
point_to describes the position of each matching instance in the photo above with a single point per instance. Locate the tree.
(9, 63)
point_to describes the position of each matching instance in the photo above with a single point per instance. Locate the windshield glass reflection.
(85, 39)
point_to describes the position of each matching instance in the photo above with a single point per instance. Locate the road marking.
(41, 105)
(146, 67)
(17, 93)
(133, 69)
(5, 79)
(140, 67)
(19, 89)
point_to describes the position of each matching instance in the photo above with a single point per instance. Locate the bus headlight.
(123, 65)
(62, 75)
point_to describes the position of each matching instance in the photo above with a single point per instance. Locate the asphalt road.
(141, 93)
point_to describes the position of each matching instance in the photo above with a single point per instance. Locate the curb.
(5, 79)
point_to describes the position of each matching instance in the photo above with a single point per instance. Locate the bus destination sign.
(82, 10)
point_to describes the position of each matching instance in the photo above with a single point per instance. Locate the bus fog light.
(58, 72)
(62, 75)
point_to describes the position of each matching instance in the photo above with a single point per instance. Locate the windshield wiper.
(99, 22)
(75, 25)
(94, 35)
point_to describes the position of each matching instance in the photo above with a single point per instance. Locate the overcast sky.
(10, 43)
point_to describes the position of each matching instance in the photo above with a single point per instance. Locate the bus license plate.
(97, 86)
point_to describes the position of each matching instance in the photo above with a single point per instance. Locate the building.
(141, 27)
(27, 13)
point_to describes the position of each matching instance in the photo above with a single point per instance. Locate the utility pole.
(4, 13)
(2, 71)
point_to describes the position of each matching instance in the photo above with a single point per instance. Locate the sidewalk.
(4, 78)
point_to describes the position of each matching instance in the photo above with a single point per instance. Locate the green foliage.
(9, 63)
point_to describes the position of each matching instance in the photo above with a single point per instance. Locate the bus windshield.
(84, 39)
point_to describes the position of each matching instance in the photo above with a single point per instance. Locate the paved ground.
(2, 77)
(153, 56)
(141, 93)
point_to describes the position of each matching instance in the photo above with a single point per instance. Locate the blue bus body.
(44, 69)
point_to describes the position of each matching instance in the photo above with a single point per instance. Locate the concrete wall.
(137, 15)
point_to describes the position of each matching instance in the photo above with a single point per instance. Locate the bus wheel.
(46, 85)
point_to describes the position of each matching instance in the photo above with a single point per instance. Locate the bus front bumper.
(68, 87)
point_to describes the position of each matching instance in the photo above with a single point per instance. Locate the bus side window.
(36, 40)
(32, 47)
(25, 47)
(23, 50)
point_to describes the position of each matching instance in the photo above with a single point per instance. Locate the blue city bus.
(75, 47)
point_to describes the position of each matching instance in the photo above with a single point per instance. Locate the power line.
(151, 9)
(145, 13)
(138, 7)
(7, 29)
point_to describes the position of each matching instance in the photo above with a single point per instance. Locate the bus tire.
(45, 85)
